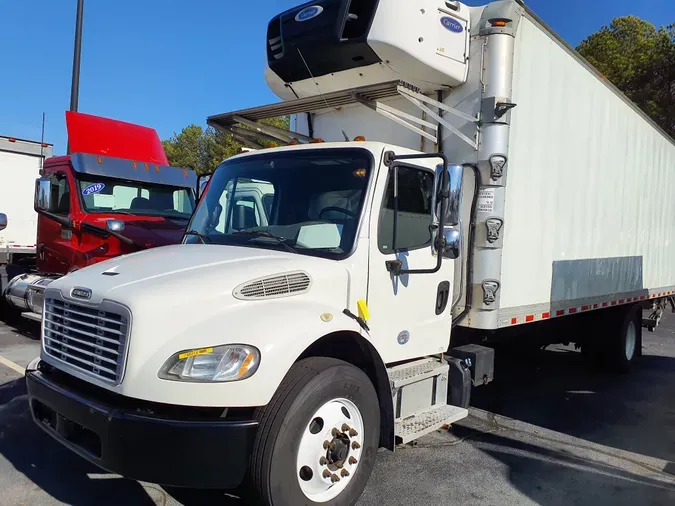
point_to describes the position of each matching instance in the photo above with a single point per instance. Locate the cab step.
(406, 374)
(420, 424)
(419, 392)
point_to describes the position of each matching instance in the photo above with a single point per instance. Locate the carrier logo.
(308, 13)
(81, 293)
(452, 24)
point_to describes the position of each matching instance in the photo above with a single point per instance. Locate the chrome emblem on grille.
(81, 293)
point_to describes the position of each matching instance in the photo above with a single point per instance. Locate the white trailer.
(504, 187)
(20, 164)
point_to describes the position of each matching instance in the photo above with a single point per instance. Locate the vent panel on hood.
(270, 287)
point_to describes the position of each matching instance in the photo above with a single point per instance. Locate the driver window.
(60, 198)
(415, 192)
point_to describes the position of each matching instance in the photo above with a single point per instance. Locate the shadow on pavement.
(60, 473)
(188, 497)
(554, 478)
(558, 390)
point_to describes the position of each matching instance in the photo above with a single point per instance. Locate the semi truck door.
(409, 313)
(55, 242)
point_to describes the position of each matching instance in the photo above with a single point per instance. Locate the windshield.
(307, 201)
(108, 195)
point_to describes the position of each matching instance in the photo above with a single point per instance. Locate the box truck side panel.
(589, 196)
(18, 173)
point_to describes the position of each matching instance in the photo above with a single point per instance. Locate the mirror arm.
(102, 232)
(62, 220)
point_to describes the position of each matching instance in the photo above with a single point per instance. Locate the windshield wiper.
(202, 237)
(260, 233)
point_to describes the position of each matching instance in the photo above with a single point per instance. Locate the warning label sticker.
(486, 200)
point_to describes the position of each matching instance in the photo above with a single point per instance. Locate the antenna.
(42, 144)
(321, 94)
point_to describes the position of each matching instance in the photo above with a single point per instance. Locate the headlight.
(212, 365)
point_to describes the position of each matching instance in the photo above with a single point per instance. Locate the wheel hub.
(338, 451)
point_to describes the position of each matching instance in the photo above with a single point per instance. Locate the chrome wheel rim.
(330, 450)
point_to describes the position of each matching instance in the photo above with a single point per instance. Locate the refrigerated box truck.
(20, 164)
(456, 176)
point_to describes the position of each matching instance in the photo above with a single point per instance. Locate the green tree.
(639, 59)
(203, 149)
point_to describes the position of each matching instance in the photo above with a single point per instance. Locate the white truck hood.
(181, 297)
(181, 270)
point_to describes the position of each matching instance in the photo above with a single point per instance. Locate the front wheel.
(318, 437)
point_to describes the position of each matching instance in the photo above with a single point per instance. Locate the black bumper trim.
(173, 452)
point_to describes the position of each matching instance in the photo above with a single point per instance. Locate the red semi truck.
(114, 195)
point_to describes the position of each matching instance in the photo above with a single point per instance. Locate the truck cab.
(115, 195)
(144, 208)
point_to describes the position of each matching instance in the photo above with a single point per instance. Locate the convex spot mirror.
(115, 225)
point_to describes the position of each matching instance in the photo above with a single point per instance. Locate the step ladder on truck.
(342, 293)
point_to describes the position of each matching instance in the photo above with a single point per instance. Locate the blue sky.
(169, 63)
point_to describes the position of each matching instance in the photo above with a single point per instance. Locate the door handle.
(442, 297)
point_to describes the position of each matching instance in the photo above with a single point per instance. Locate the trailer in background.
(20, 164)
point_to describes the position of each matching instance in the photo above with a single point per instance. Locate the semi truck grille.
(91, 339)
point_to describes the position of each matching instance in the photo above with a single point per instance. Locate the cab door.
(410, 314)
(55, 241)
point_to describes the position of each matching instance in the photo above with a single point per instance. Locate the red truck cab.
(147, 205)
(116, 194)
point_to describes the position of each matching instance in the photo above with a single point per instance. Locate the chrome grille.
(89, 338)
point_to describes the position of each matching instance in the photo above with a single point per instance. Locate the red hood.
(149, 231)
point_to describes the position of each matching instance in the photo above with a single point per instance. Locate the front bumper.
(163, 444)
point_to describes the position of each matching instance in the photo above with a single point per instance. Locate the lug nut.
(352, 460)
(323, 461)
(326, 473)
(353, 433)
(355, 445)
(344, 473)
(345, 427)
(335, 432)
(334, 478)
(326, 445)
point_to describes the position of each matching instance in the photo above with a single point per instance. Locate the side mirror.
(43, 194)
(452, 243)
(202, 181)
(3, 221)
(453, 210)
(114, 225)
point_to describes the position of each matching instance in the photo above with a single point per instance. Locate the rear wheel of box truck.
(614, 339)
(318, 437)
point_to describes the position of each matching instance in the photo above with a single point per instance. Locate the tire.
(315, 388)
(625, 340)
(607, 337)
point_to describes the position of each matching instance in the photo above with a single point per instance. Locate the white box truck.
(20, 164)
(496, 186)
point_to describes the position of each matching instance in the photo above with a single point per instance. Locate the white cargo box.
(575, 208)
(20, 163)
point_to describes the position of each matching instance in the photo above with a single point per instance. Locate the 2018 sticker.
(93, 188)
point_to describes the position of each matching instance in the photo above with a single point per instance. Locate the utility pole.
(75, 85)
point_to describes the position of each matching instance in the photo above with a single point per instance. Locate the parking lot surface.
(548, 431)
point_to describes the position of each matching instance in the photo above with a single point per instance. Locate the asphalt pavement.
(548, 431)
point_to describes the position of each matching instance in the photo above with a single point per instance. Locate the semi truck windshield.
(106, 195)
(308, 202)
